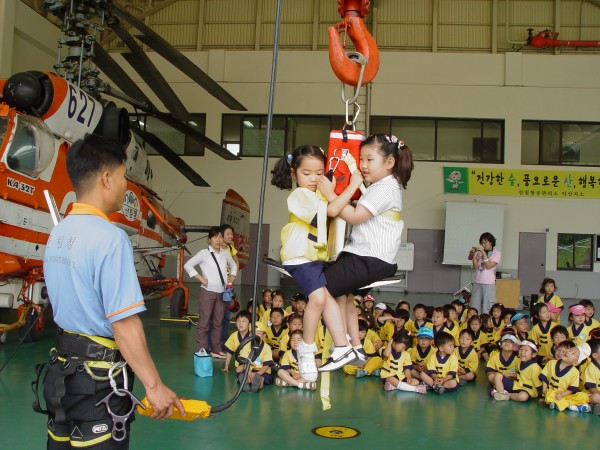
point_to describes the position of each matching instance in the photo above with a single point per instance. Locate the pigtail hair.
(281, 174)
(404, 164)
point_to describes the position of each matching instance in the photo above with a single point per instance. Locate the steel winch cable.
(255, 340)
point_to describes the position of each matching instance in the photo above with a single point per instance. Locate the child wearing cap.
(589, 314)
(468, 361)
(527, 384)
(442, 369)
(423, 352)
(377, 311)
(260, 369)
(397, 365)
(506, 360)
(548, 289)
(288, 374)
(368, 309)
(579, 332)
(560, 379)
(521, 326)
(540, 333)
(420, 320)
(373, 361)
(242, 324)
(591, 376)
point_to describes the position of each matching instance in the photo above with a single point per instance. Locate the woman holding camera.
(485, 260)
(211, 308)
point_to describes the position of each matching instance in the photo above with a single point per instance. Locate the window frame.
(573, 268)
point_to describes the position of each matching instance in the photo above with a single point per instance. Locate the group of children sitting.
(440, 349)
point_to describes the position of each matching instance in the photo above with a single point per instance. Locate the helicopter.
(43, 113)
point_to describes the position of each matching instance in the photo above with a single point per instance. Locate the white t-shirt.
(379, 237)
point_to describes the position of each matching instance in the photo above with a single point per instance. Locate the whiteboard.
(405, 257)
(465, 222)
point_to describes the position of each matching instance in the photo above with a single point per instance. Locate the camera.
(472, 253)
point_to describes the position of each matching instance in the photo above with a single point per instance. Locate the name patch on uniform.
(20, 186)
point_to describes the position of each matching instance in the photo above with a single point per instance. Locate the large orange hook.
(345, 67)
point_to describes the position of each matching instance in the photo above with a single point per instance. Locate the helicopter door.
(31, 149)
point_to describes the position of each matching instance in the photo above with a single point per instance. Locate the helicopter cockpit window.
(32, 147)
(3, 127)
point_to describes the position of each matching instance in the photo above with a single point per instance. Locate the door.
(429, 274)
(248, 271)
(532, 262)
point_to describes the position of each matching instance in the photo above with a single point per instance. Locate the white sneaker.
(306, 361)
(339, 357)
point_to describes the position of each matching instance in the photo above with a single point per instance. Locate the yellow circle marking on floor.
(336, 432)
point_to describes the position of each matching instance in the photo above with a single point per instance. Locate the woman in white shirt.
(211, 308)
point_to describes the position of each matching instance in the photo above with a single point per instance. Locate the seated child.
(377, 311)
(397, 366)
(385, 325)
(423, 352)
(470, 312)
(267, 301)
(301, 305)
(438, 321)
(394, 324)
(277, 300)
(519, 322)
(527, 384)
(260, 369)
(403, 304)
(242, 323)
(294, 322)
(542, 326)
(591, 376)
(373, 361)
(461, 311)
(371, 334)
(549, 297)
(468, 361)
(452, 325)
(505, 360)
(560, 379)
(479, 337)
(442, 368)
(589, 314)
(288, 373)
(275, 331)
(558, 334)
(292, 308)
(497, 315)
(488, 329)
(579, 332)
(420, 314)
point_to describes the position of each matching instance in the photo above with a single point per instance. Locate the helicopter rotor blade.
(175, 57)
(192, 133)
(117, 75)
(167, 153)
(150, 74)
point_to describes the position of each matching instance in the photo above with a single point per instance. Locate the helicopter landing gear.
(177, 303)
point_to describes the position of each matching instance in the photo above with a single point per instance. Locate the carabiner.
(345, 67)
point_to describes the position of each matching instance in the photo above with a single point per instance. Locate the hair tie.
(289, 159)
(401, 145)
(391, 138)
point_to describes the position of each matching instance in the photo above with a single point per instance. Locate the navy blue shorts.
(309, 276)
(508, 383)
(350, 273)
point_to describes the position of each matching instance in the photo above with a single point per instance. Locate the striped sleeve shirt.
(378, 237)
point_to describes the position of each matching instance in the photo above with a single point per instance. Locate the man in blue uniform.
(96, 299)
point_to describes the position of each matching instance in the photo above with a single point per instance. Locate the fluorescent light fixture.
(248, 124)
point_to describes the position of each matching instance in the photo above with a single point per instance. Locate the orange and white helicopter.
(42, 113)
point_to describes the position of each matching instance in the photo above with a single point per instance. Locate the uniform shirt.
(453, 329)
(528, 378)
(90, 273)
(233, 342)
(301, 233)
(395, 365)
(379, 237)
(386, 332)
(264, 358)
(374, 338)
(480, 340)
(283, 341)
(579, 334)
(590, 377)
(489, 335)
(551, 298)
(497, 328)
(274, 336)
(467, 359)
(209, 269)
(559, 379)
(289, 360)
(418, 355)
(368, 347)
(540, 334)
(443, 365)
(497, 363)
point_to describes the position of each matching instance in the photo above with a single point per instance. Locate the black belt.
(76, 345)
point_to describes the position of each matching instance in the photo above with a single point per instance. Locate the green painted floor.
(284, 417)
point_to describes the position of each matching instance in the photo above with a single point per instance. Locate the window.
(175, 140)
(456, 140)
(31, 149)
(246, 134)
(560, 143)
(574, 252)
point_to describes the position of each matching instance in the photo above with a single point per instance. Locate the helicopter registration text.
(20, 186)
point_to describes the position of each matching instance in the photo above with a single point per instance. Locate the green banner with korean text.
(521, 183)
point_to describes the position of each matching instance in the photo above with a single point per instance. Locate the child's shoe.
(376, 372)
(493, 392)
(552, 405)
(309, 385)
(389, 386)
(439, 389)
(360, 373)
(256, 382)
(462, 381)
(580, 408)
(501, 396)
(306, 361)
(280, 383)
(596, 409)
(421, 389)
(340, 356)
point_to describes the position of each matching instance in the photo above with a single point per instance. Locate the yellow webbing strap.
(106, 342)
(326, 376)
